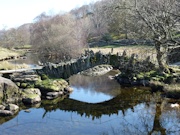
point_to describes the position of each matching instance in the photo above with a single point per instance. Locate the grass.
(5, 65)
(6, 53)
(141, 50)
(24, 47)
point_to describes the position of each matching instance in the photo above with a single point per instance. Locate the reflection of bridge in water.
(127, 99)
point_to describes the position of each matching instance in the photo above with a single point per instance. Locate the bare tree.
(12, 38)
(98, 19)
(56, 36)
(162, 20)
(8, 38)
(23, 35)
(83, 24)
(157, 20)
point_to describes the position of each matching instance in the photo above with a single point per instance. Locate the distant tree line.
(67, 34)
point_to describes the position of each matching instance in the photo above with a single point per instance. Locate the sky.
(14, 13)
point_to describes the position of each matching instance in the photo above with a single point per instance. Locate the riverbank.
(29, 88)
(167, 84)
(6, 55)
(6, 65)
(143, 71)
(141, 50)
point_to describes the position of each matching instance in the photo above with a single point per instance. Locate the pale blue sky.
(14, 13)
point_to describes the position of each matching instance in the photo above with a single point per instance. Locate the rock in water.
(31, 96)
(9, 92)
(97, 70)
(6, 113)
(12, 107)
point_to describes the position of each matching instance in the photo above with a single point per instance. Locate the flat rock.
(12, 107)
(31, 96)
(34, 100)
(6, 113)
(97, 70)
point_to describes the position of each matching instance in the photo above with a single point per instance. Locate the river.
(97, 106)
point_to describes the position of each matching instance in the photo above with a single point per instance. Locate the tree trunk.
(157, 127)
(162, 57)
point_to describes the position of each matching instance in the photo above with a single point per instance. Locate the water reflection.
(30, 59)
(138, 120)
(94, 89)
(89, 95)
(170, 119)
(132, 111)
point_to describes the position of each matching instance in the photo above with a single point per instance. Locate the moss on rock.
(31, 96)
(44, 77)
(51, 85)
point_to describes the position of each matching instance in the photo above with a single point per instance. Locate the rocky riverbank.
(168, 84)
(29, 88)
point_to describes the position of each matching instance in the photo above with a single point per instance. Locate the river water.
(97, 106)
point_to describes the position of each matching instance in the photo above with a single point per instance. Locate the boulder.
(33, 99)
(2, 107)
(68, 89)
(53, 95)
(51, 85)
(32, 91)
(8, 110)
(25, 77)
(31, 96)
(9, 92)
(12, 107)
(6, 113)
(97, 70)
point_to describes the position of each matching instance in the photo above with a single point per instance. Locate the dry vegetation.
(5, 53)
(141, 51)
(8, 54)
(5, 65)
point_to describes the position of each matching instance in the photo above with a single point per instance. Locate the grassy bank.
(6, 54)
(141, 50)
(5, 65)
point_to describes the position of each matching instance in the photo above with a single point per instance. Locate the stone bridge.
(66, 69)
(90, 59)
